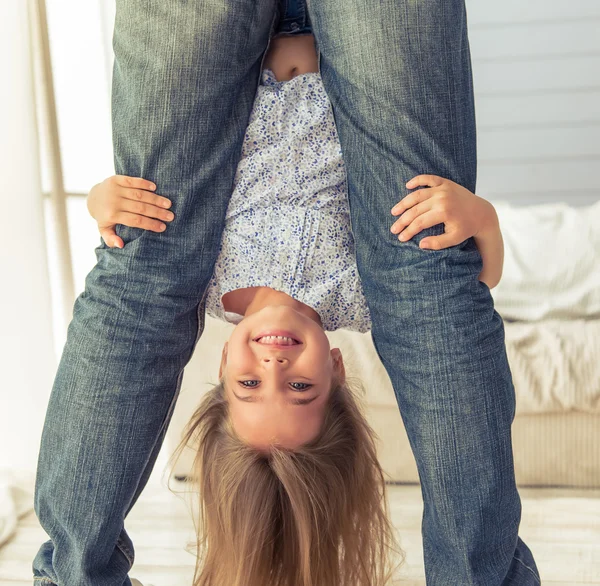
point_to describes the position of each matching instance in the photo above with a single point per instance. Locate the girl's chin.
(281, 316)
(285, 317)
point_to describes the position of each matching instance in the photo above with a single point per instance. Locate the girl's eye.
(302, 387)
(243, 383)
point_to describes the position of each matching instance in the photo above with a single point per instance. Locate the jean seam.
(125, 551)
(530, 569)
(44, 580)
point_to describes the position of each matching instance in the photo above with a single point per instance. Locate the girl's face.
(277, 388)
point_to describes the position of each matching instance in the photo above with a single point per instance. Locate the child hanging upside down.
(287, 464)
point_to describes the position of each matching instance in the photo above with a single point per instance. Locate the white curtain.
(26, 339)
(35, 296)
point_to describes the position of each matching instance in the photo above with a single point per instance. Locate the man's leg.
(185, 78)
(398, 74)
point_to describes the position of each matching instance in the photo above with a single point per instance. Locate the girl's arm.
(491, 247)
(129, 201)
(463, 214)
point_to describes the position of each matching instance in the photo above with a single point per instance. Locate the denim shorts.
(293, 18)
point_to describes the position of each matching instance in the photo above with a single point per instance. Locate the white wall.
(536, 72)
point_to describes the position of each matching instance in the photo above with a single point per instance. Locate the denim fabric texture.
(294, 18)
(184, 80)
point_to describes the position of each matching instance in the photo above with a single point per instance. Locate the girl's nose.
(275, 359)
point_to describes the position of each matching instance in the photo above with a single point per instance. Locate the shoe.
(135, 582)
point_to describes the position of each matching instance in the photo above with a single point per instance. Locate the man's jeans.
(398, 74)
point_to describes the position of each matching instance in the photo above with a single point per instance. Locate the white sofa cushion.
(551, 262)
(554, 365)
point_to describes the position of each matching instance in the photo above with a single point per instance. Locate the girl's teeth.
(277, 340)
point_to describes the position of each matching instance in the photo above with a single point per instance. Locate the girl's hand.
(121, 199)
(463, 213)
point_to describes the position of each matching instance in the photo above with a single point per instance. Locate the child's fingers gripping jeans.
(398, 75)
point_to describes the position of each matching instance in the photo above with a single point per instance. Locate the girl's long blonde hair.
(313, 516)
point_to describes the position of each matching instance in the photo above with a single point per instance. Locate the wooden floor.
(561, 526)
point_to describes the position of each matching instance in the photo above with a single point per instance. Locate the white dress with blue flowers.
(288, 224)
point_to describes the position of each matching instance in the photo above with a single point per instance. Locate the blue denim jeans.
(398, 74)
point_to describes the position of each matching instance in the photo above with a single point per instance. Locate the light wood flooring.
(561, 526)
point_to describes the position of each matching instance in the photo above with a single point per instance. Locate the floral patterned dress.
(288, 223)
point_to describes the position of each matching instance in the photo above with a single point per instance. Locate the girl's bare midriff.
(291, 55)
